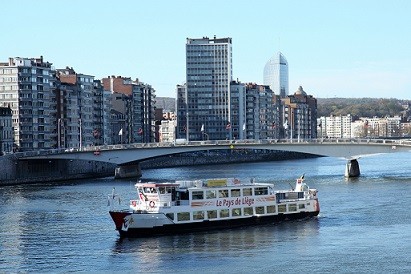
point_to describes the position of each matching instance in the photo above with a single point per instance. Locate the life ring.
(152, 204)
(134, 203)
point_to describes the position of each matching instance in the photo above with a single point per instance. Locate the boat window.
(248, 211)
(224, 213)
(236, 212)
(292, 207)
(164, 190)
(223, 193)
(170, 216)
(198, 215)
(261, 191)
(183, 195)
(197, 195)
(281, 208)
(300, 206)
(212, 214)
(259, 210)
(183, 216)
(271, 209)
(150, 190)
(235, 193)
(247, 191)
(280, 196)
(211, 194)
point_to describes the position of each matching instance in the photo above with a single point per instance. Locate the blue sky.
(351, 48)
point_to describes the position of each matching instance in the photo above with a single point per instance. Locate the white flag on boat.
(202, 127)
(120, 132)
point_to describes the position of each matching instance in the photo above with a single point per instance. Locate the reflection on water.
(156, 252)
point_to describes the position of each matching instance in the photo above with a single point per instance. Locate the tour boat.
(201, 205)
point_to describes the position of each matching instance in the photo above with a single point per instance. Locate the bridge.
(128, 156)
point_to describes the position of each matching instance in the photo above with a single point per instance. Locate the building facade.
(276, 74)
(6, 131)
(26, 85)
(261, 112)
(134, 102)
(300, 116)
(207, 100)
(335, 126)
(76, 121)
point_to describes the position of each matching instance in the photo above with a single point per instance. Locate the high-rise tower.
(276, 74)
(208, 77)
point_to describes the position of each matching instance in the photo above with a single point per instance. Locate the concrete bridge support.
(128, 171)
(352, 169)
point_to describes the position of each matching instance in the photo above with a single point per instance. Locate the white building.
(276, 74)
(167, 130)
(335, 127)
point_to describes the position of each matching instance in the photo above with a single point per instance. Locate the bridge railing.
(43, 152)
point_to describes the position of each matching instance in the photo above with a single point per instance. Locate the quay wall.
(14, 171)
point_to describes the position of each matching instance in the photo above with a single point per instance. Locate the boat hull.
(206, 225)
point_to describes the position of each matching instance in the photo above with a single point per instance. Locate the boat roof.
(153, 184)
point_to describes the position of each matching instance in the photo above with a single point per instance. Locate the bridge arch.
(123, 155)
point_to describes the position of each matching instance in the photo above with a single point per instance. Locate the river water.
(364, 225)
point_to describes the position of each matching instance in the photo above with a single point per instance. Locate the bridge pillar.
(128, 171)
(352, 169)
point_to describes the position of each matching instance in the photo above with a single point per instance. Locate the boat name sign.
(231, 202)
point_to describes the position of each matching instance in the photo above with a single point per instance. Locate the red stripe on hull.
(118, 218)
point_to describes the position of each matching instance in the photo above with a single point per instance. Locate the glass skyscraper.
(276, 74)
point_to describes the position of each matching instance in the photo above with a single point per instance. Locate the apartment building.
(207, 97)
(76, 122)
(135, 100)
(6, 131)
(26, 85)
(300, 115)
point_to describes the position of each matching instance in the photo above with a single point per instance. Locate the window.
(271, 209)
(197, 195)
(259, 210)
(281, 209)
(301, 206)
(198, 215)
(261, 191)
(212, 214)
(222, 193)
(224, 213)
(211, 194)
(292, 207)
(235, 193)
(183, 216)
(248, 211)
(235, 212)
(247, 192)
(170, 216)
